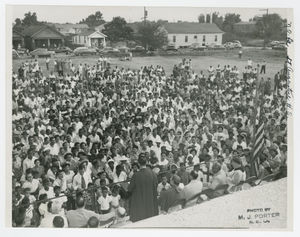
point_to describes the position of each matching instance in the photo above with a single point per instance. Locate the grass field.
(200, 60)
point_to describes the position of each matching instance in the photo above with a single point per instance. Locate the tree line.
(151, 34)
(271, 26)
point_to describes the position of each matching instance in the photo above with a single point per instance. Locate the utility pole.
(265, 26)
(145, 15)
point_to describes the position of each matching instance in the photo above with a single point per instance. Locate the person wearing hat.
(143, 188)
(170, 196)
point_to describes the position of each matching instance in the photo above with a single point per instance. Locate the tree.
(18, 22)
(93, 20)
(30, 19)
(117, 30)
(218, 20)
(270, 24)
(152, 34)
(229, 20)
(201, 18)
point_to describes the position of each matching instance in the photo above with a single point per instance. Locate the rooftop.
(191, 28)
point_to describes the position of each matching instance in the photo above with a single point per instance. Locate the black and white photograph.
(135, 117)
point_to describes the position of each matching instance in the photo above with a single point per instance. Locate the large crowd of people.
(79, 131)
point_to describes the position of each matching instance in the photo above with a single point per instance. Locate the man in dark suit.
(276, 81)
(143, 187)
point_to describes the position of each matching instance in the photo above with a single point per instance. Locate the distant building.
(185, 34)
(71, 28)
(42, 36)
(101, 27)
(18, 39)
(90, 38)
(245, 26)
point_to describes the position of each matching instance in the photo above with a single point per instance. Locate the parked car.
(171, 47)
(21, 51)
(237, 45)
(109, 51)
(280, 47)
(236, 41)
(138, 49)
(229, 45)
(94, 47)
(42, 52)
(62, 49)
(151, 48)
(84, 51)
(15, 54)
(273, 43)
(215, 46)
(123, 49)
(197, 47)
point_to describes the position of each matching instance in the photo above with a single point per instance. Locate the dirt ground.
(200, 60)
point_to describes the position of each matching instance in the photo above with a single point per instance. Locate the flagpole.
(252, 170)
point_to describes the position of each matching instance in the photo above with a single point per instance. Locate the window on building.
(174, 39)
(186, 38)
(84, 39)
(203, 38)
(195, 37)
(78, 39)
(216, 38)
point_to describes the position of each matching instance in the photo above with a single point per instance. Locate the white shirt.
(77, 180)
(122, 177)
(33, 185)
(27, 163)
(50, 192)
(104, 202)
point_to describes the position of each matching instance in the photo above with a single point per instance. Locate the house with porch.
(18, 39)
(90, 38)
(42, 36)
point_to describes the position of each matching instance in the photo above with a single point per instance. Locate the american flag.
(258, 147)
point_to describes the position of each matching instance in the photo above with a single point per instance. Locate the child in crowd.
(163, 185)
(104, 201)
(28, 195)
(115, 199)
(43, 209)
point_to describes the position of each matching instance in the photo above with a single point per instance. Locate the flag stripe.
(258, 147)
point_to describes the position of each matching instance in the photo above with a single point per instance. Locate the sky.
(74, 14)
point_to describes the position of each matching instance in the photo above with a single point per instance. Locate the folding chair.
(249, 183)
(236, 188)
(176, 206)
(191, 201)
(266, 179)
(219, 191)
(207, 193)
